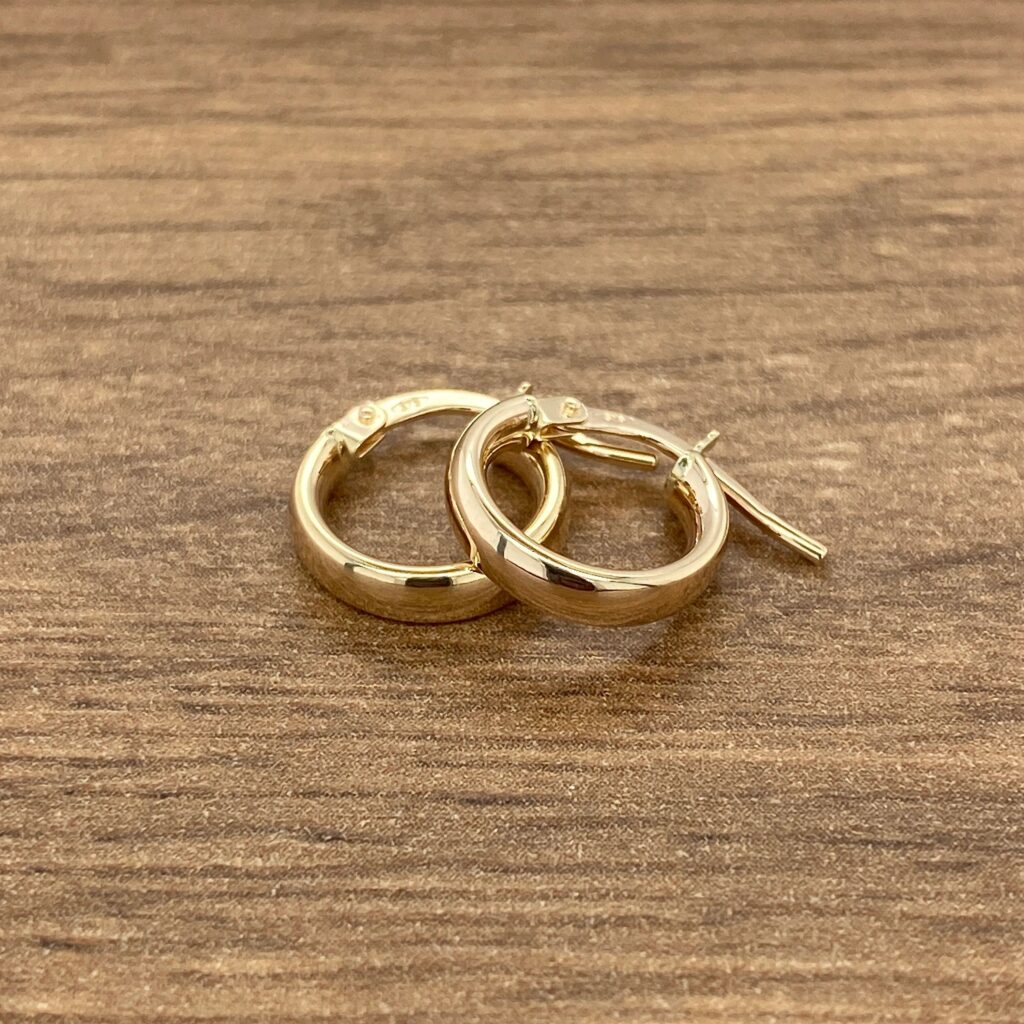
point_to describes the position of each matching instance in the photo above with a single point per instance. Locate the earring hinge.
(360, 429)
(558, 419)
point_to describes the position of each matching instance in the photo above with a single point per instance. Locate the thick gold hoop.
(696, 489)
(409, 593)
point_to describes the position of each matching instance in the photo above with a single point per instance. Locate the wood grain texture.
(228, 798)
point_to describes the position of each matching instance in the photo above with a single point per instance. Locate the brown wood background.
(228, 798)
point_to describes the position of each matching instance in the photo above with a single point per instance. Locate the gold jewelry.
(697, 490)
(421, 593)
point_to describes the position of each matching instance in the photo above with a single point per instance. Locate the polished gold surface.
(410, 593)
(697, 490)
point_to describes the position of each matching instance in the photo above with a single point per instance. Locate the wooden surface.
(228, 798)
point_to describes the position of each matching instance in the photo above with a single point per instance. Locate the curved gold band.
(426, 593)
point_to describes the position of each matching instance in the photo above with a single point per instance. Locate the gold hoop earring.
(697, 490)
(409, 593)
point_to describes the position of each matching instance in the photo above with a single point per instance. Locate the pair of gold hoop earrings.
(506, 561)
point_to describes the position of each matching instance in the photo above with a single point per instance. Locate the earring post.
(772, 524)
(584, 444)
